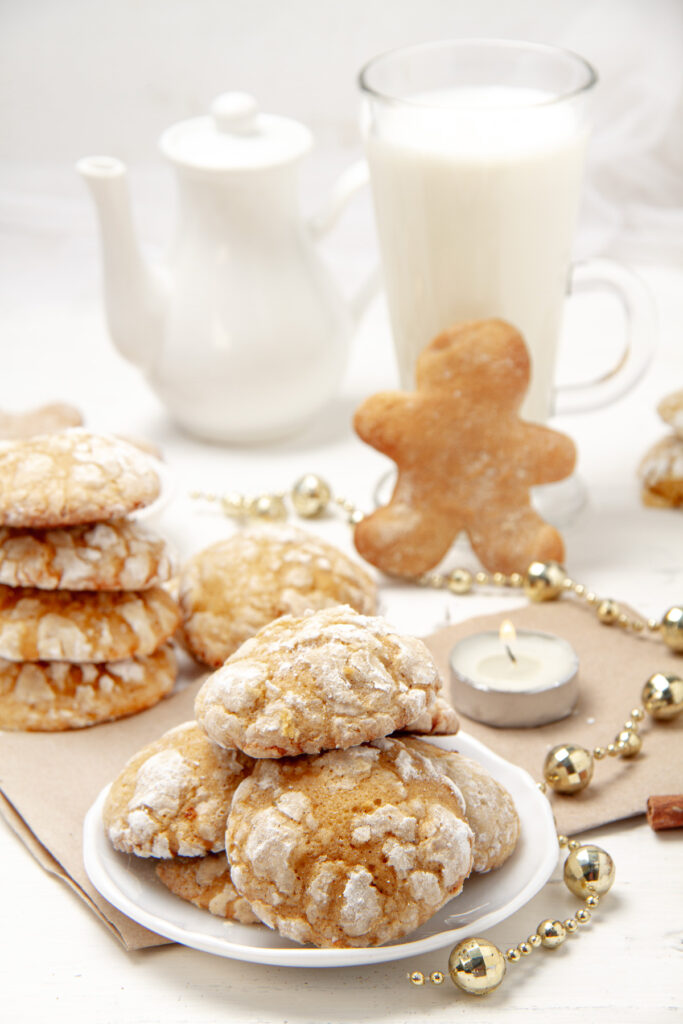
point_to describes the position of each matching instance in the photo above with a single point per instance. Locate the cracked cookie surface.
(324, 680)
(230, 590)
(349, 848)
(118, 555)
(172, 798)
(56, 696)
(206, 882)
(78, 626)
(72, 477)
(489, 808)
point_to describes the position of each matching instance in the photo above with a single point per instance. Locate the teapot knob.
(235, 112)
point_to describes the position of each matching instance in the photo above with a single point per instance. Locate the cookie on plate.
(489, 808)
(441, 719)
(661, 473)
(324, 680)
(72, 477)
(233, 588)
(349, 848)
(206, 882)
(82, 625)
(173, 796)
(118, 555)
(56, 695)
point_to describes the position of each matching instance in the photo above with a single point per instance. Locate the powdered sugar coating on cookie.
(118, 555)
(441, 719)
(72, 477)
(78, 626)
(173, 797)
(489, 808)
(328, 679)
(206, 882)
(233, 588)
(55, 696)
(377, 845)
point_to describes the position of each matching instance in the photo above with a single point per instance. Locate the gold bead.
(437, 977)
(637, 714)
(628, 743)
(589, 871)
(573, 844)
(268, 506)
(608, 611)
(417, 978)
(562, 839)
(460, 581)
(612, 749)
(524, 948)
(551, 933)
(542, 786)
(638, 625)
(671, 628)
(516, 579)
(663, 695)
(568, 768)
(623, 621)
(579, 589)
(570, 924)
(544, 581)
(599, 753)
(512, 955)
(592, 901)
(310, 496)
(499, 579)
(630, 725)
(653, 625)
(481, 578)
(476, 966)
(583, 916)
(534, 940)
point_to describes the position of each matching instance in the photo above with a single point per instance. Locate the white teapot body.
(243, 335)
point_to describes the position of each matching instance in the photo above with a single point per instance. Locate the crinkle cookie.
(173, 797)
(350, 848)
(81, 625)
(489, 808)
(661, 473)
(206, 882)
(72, 477)
(53, 696)
(119, 555)
(233, 588)
(327, 679)
(440, 719)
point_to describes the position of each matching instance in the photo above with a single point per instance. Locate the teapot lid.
(235, 136)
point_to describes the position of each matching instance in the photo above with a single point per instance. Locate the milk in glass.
(476, 192)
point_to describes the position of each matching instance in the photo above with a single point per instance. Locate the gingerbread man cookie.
(465, 459)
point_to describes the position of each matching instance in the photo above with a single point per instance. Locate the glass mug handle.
(639, 339)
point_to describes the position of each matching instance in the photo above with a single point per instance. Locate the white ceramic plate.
(131, 885)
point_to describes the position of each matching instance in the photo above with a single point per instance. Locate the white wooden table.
(58, 963)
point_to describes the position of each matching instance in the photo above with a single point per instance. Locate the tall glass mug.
(476, 151)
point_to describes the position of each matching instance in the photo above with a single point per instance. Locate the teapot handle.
(354, 179)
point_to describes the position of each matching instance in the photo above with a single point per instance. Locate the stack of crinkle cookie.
(83, 618)
(290, 800)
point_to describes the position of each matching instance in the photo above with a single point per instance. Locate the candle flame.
(508, 633)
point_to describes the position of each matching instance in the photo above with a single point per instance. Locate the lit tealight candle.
(514, 678)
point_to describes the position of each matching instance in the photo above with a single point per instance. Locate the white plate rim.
(98, 855)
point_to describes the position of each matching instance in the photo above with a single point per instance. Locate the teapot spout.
(134, 293)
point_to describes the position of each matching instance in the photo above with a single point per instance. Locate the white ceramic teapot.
(243, 335)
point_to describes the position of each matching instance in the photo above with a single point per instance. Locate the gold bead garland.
(476, 966)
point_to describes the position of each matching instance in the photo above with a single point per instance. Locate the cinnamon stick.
(665, 812)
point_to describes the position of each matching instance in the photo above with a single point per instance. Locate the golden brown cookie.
(53, 696)
(72, 477)
(206, 882)
(466, 461)
(440, 719)
(489, 808)
(327, 679)
(82, 625)
(118, 555)
(671, 411)
(661, 473)
(231, 589)
(173, 797)
(349, 848)
(46, 419)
